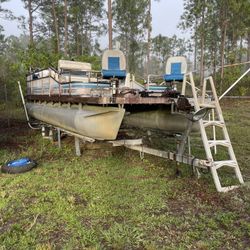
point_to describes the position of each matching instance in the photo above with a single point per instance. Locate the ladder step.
(229, 188)
(207, 105)
(223, 143)
(213, 123)
(209, 100)
(229, 163)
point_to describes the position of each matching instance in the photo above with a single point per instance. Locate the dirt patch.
(11, 133)
(78, 200)
(87, 222)
(7, 144)
(13, 124)
(56, 237)
(109, 221)
(198, 189)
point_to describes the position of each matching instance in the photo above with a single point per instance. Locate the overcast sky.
(165, 15)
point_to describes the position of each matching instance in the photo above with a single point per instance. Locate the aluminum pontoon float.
(92, 105)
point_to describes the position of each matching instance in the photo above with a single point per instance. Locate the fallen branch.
(33, 223)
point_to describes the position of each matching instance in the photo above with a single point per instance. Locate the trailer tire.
(18, 166)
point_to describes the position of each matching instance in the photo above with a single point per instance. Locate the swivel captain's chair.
(176, 67)
(113, 64)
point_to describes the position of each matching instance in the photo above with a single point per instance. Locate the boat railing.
(155, 80)
(51, 82)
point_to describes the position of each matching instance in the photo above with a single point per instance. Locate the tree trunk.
(127, 50)
(214, 54)
(110, 23)
(78, 49)
(195, 55)
(77, 40)
(30, 23)
(241, 48)
(6, 104)
(202, 48)
(86, 47)
(65, 27)
(82, 39)
(222, 52)
(248, 46)
(149, 36)
(90, 35)
(195, 47)
(55, 22)
(234, 47)
(202, 60)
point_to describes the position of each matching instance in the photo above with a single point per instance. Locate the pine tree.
(32, 6)
(130, 22)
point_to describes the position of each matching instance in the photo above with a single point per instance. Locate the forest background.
(71, 29)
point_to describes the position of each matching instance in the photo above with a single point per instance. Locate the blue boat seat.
(120, 74)
(174, 77)
(114, 70)
(176, 74)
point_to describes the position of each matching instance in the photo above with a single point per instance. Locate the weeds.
(108, 199)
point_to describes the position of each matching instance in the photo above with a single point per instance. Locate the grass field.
(111, 199)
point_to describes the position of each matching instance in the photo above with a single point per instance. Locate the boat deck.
(101, 100)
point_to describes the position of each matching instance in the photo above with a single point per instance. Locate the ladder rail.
(202, 129)
(219, 122)
(221, 118)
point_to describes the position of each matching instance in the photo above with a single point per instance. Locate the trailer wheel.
(18, 166)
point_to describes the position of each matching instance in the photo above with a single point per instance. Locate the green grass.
(110, 199)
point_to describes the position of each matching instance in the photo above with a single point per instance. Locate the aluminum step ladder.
(216, 122)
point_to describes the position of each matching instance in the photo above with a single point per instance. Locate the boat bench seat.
(173, 77)
(157, 88)
(113, 73)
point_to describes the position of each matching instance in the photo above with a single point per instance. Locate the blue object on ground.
(19, 163)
